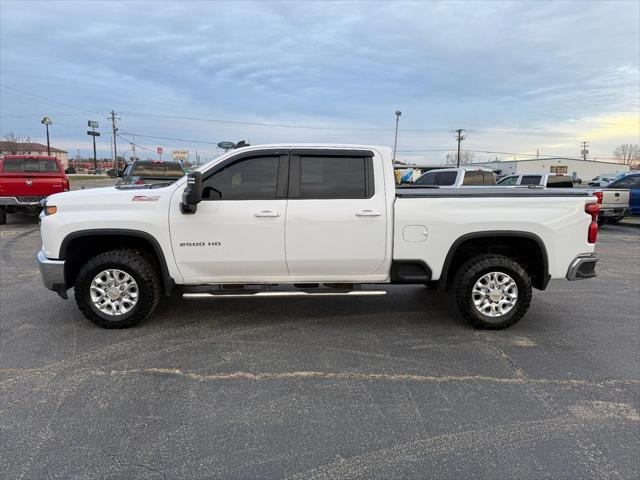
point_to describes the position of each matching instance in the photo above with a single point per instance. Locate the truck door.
(336, 216)
(237, 232)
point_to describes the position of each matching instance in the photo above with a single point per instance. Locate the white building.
(584, 169)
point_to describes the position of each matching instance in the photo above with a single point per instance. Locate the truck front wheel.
(117, 289)
(492, 291)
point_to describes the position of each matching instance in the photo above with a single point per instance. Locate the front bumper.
(52, 272)
(583, 266)
(21, 201)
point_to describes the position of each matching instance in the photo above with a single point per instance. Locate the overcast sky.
(518, 76)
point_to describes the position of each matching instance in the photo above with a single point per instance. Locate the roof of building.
(27, 147)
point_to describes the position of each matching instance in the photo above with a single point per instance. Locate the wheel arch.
(503, 241)
(94, 241)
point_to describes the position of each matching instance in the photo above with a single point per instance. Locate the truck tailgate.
(615, 197)
(30, 185)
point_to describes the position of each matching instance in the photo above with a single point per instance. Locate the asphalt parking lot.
(389, 387)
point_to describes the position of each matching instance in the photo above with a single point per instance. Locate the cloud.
(497, 65)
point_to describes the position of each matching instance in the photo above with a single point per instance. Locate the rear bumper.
(613, 212)
(52, 272)
(583, 267)
(21, 202)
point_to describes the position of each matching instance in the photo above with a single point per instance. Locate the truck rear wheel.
(3, 215)
(117, 289)
(492, 291)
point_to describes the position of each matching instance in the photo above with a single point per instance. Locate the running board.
(353, 293)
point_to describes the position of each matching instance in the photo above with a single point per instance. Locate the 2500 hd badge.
(200, 244)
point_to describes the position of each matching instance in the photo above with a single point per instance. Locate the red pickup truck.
(27, 179)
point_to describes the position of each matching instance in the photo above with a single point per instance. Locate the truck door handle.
(367, 213)
(267, 213)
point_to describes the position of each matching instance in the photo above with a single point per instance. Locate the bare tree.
(627, 154)
(14, 141)
(465, 157)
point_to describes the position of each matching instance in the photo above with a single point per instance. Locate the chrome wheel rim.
(495, 294)
(114, 292)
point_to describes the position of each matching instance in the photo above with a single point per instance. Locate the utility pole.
(585, 150)
(113, 119)
(133, 147)
(395, 142)
(460, 137)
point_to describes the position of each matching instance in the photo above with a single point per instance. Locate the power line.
(170, 138)
(48, 99)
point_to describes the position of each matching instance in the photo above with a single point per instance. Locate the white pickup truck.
(311, 220)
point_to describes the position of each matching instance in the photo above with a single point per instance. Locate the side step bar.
(222, 294)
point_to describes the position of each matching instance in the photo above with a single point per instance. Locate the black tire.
(471, 271)
(614, 219)
(3, 215)
(137, 266)
(601, 221)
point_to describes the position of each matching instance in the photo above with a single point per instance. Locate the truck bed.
(488, 192)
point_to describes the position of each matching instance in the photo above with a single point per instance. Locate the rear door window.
(30, 165)
(531, 180)
(473, 178)
(442, 179)
(559, 181)
(329, 177)
(489, 178)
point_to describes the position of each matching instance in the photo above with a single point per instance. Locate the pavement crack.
(302, 374)
(519, 372)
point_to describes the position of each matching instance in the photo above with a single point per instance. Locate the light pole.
(46, 121)
(395, 142)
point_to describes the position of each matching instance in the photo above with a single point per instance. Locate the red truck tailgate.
(22, 176)
(30, 185)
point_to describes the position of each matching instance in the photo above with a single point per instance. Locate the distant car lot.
(392, 387)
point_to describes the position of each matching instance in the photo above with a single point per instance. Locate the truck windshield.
(442, 179)
(151, 169)
(30, 165)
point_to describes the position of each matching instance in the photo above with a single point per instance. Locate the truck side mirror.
(192, 194)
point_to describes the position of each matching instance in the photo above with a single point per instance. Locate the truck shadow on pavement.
(401, 305)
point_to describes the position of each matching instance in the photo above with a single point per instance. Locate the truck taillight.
(592, 209)
(598, 195)
(65, 184)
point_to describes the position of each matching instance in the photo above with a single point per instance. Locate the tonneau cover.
(418, 192)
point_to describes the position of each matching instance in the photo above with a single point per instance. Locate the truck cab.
(458, 177)
(546, 180)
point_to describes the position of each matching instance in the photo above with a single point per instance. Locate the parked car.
(25, 180)
(319, 218)
(548, 180)
(631, 182)
(457, 177)
(141, 172)
(604, 180)
(70, 171)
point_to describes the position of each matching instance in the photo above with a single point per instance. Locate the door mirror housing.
(192, 195)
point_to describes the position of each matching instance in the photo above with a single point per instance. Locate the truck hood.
(109, 196)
